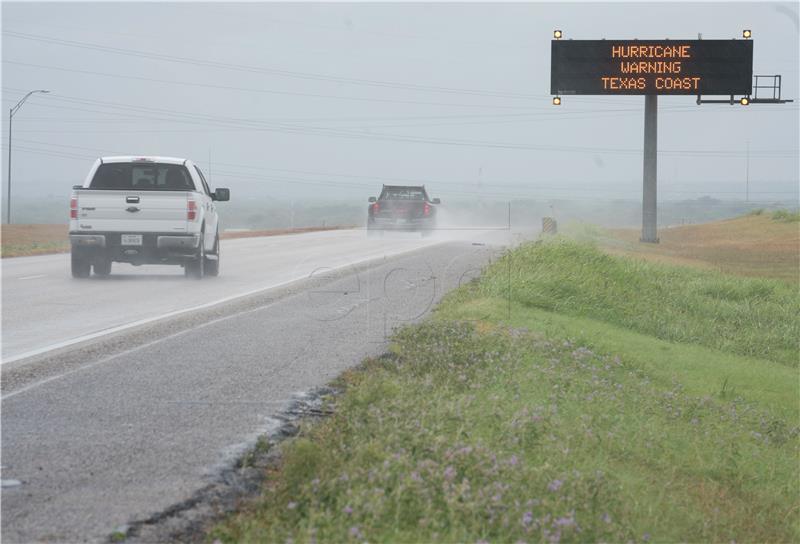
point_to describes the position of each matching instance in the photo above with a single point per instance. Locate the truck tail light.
(73, 207)
(191, 210)
(426, 209)
(376, 207)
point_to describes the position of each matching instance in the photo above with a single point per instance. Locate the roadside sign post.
(650, 68)
(650, 175)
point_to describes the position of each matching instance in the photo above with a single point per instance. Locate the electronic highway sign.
(668, 67)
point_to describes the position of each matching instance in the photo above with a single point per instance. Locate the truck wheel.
(195, 268)
(212, 261)
(102, 267)
(81, 267)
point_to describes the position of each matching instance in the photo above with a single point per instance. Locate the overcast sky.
(331, 100)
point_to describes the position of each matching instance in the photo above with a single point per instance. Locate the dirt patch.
(21, 240)
(755, 246)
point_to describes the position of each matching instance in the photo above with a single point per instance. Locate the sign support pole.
(650, 175)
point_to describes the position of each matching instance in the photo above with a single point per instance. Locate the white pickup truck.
(145, 210)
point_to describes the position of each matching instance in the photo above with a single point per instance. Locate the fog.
(301, 106)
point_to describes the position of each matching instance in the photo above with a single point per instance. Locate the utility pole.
(11, 113)
(747, 174)
(650, 173)
(8, 178)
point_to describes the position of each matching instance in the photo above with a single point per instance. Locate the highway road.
(116, 428)
(44, 308)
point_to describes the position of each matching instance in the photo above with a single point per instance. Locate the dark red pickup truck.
(402, 207)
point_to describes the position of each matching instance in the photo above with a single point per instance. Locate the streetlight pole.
(11, 113)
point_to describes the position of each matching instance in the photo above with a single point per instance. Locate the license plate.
(131, 239)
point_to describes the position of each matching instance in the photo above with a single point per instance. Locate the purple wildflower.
(449, 473)
(566, 521)
(513, 461)
(347, 510)
(606, 518)
(527, 518)
(553, 538)
(555, 485)
(355, 532)
(646, 537)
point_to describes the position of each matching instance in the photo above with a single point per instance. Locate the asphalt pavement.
(99, 434)
(45, 308)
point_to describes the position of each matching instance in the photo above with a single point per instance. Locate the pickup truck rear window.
(149, 176)
(403, 193)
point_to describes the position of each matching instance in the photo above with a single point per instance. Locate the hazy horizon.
(295, 100)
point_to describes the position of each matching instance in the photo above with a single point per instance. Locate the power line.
(479, 119)
(350, 134)
(372, 179)
(262, 91)
(341, 133)
(263, 70)
(482, 194)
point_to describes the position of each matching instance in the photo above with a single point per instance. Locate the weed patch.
(615, 400)
(754, 317)
(506, 436)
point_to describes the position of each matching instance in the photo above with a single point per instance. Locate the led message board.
(693, 67)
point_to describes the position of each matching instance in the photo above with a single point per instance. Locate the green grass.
(743, 316)
(570, 416)
(34, 248)
(703, 371)
(786, 216)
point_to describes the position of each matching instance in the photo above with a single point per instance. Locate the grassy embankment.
(619, 400)
(757, 245)
(26, 240)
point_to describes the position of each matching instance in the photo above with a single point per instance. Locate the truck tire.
(102, 267)
(81, 267)
(212, 264)
(196, 267)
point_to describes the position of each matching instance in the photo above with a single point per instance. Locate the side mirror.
(221, 195)
(373, 199)
(437, 201)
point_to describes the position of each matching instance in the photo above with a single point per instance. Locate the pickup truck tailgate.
(400, 209)
(132, 211)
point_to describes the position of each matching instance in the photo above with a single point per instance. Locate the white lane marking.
(129, 351)
(176, 313)
(33, 277)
